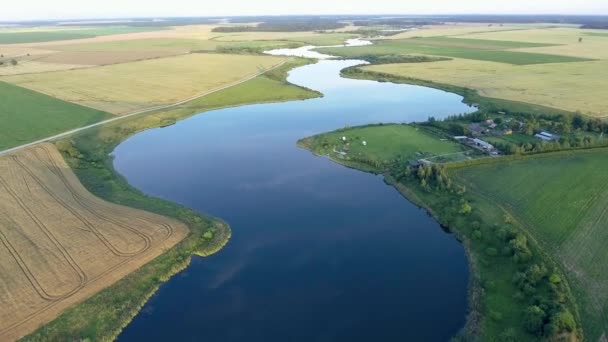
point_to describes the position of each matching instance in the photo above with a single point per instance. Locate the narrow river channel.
(319, 252)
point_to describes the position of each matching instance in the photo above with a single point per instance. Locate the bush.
(491, 251)
(564, 321)
(534, 319)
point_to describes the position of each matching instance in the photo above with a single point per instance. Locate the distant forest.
(285, 25)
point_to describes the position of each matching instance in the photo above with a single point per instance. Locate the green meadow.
(27, 116)
(383, 143)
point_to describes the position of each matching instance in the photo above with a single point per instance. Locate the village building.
(546, 136)
(484, 145)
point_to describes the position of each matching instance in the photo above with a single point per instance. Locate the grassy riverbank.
(517, 292)
(104, 315)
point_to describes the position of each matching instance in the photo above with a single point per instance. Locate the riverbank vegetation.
(517, 291)
(105, 314)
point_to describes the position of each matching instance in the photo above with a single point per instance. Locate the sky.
(77, 9)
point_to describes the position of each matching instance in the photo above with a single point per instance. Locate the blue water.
(319, 252)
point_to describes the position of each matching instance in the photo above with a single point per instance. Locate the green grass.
(384, 143)
(47, 36)
(103, 316)
(27, 116)
(561, 199)
(417, 46)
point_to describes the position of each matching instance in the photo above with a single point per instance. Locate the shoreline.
(471, 327)
(478, 311)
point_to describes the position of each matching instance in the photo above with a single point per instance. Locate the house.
(492, 126)
(364, 143)
(542, 137)
(489, 122)
(476, 129)
(484, 145)
(460, 138)
(507, 131)
(546, 136)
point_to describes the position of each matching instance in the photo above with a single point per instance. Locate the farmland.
(122, 88)
(27, 116)
(562, 201)
(557, 71)
(569, 86)
(20, 37)
(485, 50)
(62, 244)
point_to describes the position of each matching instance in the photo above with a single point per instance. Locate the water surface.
(319, 252)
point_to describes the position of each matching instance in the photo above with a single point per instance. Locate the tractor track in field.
(116, 251)
(55, 169)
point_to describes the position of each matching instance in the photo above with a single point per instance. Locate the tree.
(465, 208)
(564, 321)
(14, 62)
(534, 318)
(580, 39)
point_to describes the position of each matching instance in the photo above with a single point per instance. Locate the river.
(319, 252)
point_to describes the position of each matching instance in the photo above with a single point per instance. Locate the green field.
(562, 199)
(485, 44)
(16, 37)
(418, 46)
(27, 116)
(383, 143)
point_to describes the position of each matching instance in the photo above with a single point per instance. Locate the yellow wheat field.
(123, 88)
(59, 244)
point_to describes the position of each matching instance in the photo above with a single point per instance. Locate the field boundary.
(143, 111)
